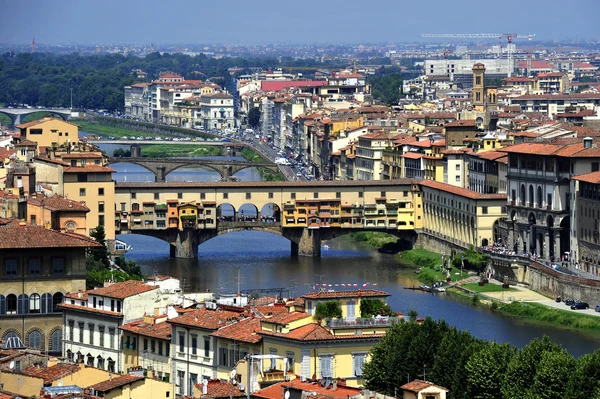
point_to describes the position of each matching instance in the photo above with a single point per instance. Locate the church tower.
(479, 87)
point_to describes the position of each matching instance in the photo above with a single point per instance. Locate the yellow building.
(57, 213)
(132, 386)
(188, 214)
(39, 267)
(147, 344)
(349, 300)
(50, 132)
(91, 184)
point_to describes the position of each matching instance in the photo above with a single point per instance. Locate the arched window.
(34, 303)
(111, 365)
(56, 300)
(70, 355)
(34, 339)
(56, 341)
(523, 199)
(11, 334)
(11, 304)
(23, 304)
(90, 360)
(100, 362)
(531, 200)
(46, 303)
(70, 226)
(539, 196)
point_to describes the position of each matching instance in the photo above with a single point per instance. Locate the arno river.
(262, 260)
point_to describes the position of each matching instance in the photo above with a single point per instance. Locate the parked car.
(580, 305)
(597, 308)
(569, 302)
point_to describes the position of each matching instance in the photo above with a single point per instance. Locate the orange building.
(57, 213)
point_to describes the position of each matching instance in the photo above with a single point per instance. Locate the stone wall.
(435, 244)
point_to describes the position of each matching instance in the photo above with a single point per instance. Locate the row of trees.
(473, 368)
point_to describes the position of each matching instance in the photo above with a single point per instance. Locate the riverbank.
(180, 150)
(250, 155)
(107, 131)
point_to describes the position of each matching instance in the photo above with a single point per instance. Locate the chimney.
(335, 384)
(79, 294)
(587, 142)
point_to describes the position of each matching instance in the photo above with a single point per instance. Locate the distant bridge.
(16, 114)
(161, 167)
(149, 142)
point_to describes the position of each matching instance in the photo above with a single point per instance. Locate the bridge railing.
(363, 322)
(242, 224)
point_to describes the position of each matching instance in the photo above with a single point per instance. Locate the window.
(484, 210)
(457, 166)
(81, 326)
(193, 382)
(181, 342)
(358, 361)
(101, 206)
(82, 192)
(360, 194)
(82, 177)
(35, 266)
(56, 341)
(153, 346)
(293, 195)
(72, 330)
(315, 195)
(10, 267)
(180, 381)
(179, 195)
(34, 303)
(101, 335)
(167, 349)
(11, 304)
(382, 194)
(100, 362)
(111, 338)
(33, 219)
(91, 329)
(111, 365)
(595, 166)
(34, 340)
(100, 220)
(119, 306)
(160, 348)
(225, 195)
(156, 196)
(56, 300)
(206, 347)
(194, 344)
(270, 195)
(223, 356)
(58, 265)
(326, 366)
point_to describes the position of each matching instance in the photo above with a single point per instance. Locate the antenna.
(33, 45)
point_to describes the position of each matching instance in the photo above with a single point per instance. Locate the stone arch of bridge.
(219, 169)
(129, 161)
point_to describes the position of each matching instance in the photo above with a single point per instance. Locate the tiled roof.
(244, 331)
(490, 155)
(52, 373)
(268, 310)
(26, 143)
(107, 385)
(580, 96)
(54, 161)
(463, 192)
(6, 396)
(462, 123)
(344, 294)
(316, 332)
(345, 183)
(286, 318)
(219, 389)
(82, 155)
(79, 308)
(206, 319)
(413, 155)
(593, 177)
(274, 391)
(75, 295)
(123, 289)
(285, 84)
(158, 330)
(419, 385)
(14, 235)
(57, 203)
(575, 150)
(88, 169)
(5, 153)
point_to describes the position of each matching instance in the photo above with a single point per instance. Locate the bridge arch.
(195, 165)
(271, 210)
(226, 212)
(115, 161)
(248, 211)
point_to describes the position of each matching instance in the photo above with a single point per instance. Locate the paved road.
(562, 306)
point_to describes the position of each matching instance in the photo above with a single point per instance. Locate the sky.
(287, 21)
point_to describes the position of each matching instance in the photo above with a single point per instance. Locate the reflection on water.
(264, 261)
(135, 173)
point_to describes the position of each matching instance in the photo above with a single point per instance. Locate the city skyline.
(270, 22)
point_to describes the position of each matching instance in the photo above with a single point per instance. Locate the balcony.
(384, 321)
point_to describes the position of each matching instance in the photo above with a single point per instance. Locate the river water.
(262, 260)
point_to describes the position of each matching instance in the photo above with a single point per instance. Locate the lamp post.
(71, 99)
(462, 265)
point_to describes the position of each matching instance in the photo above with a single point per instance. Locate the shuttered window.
(358, 361)
(326, 364)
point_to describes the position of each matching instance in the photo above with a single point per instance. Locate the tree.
(552, 375)
(449, 352)
(386, 88)
(254, 117)
(373, 307)
(99, 255)
(522, 369)
(328, 310)
(412, 315)
(485, 369)
(585, 379)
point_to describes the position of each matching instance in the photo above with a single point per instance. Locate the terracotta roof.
(593, 177)
(52, 373)
(88, 169)
(461, 123)
(123, 289)
(575, 150)
(5, 153)
(244, 331)
(220, 389)
(316, 332)
(55, 161)
(419, 385)
(584, 96)
(13, 235)
(75, 295)
(26, 143)
(463, 192)
(325, 183)
(40, 121)
(82, 155)
(7, 396)
(344, 294)
(117, 382)
(413, 155)
(206, 319)
(79, 308)
(274, 391)
(550, 75)
(489, 155)
(160, 330)
(286, 318)
(57, 203)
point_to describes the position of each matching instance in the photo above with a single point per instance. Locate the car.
(580, 305)
(569, 302)
(597, 308)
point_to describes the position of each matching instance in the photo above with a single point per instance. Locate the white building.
(216, 111)
(92, 319)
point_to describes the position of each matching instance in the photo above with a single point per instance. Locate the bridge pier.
(308, 245)
(185, 245)
(136, 151)
(161, 174)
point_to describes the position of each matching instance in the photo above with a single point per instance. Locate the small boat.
(439, 289)
(425, 288)
(325, 246)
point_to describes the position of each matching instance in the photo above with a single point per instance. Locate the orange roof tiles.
(54, 161)
(52, 373)
(463, 192)
(593, 177)
(274, 391)
(82, 155)
(14, 235)
(117, 382)
(462, 123)
(124, 289)
(490, 155)
(344, 294)
(244, 331)
(286, 318)
(419, 385)
(156, 330)
(219, 389)
(206, 319)
(57, 203)
(316, 332)
(89, 169)
(413, 155)
(26, 143)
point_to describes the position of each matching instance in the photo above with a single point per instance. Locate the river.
(263, 261)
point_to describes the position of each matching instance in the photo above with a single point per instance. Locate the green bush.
(328, 310)
(472, 260)
(420, 257)
(373, 307)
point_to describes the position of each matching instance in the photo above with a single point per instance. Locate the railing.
(384, 321)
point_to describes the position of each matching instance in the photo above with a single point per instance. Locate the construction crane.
(508, 36)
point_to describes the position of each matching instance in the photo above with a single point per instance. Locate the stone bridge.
(16, 114)
(161, 167)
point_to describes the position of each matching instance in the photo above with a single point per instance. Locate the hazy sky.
(287, 21)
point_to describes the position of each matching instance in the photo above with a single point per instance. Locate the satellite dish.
(233, 374)
(286, 395)
(12, 365)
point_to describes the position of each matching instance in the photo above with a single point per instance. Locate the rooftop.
(274, 391)
(220, 389)
(124, 289)
(316, 332)
(593, 178)
(344, 294)
(244, 331)
(117, 382)
(463, 192)
(52, 373)
(155, 330)
(57, 203)
(206, 319)
(286, 318)
(419, 385)
(20, 235)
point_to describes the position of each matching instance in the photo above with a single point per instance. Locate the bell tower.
(479, 87)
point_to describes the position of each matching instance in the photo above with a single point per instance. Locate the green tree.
(412, 315)
(522, 369)
(254, 117)
(585, 379)
(99, 255)
(386, 88)
(328, 309)
(485, 369)
(373, 307)
(552, 375)
(446, 364)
